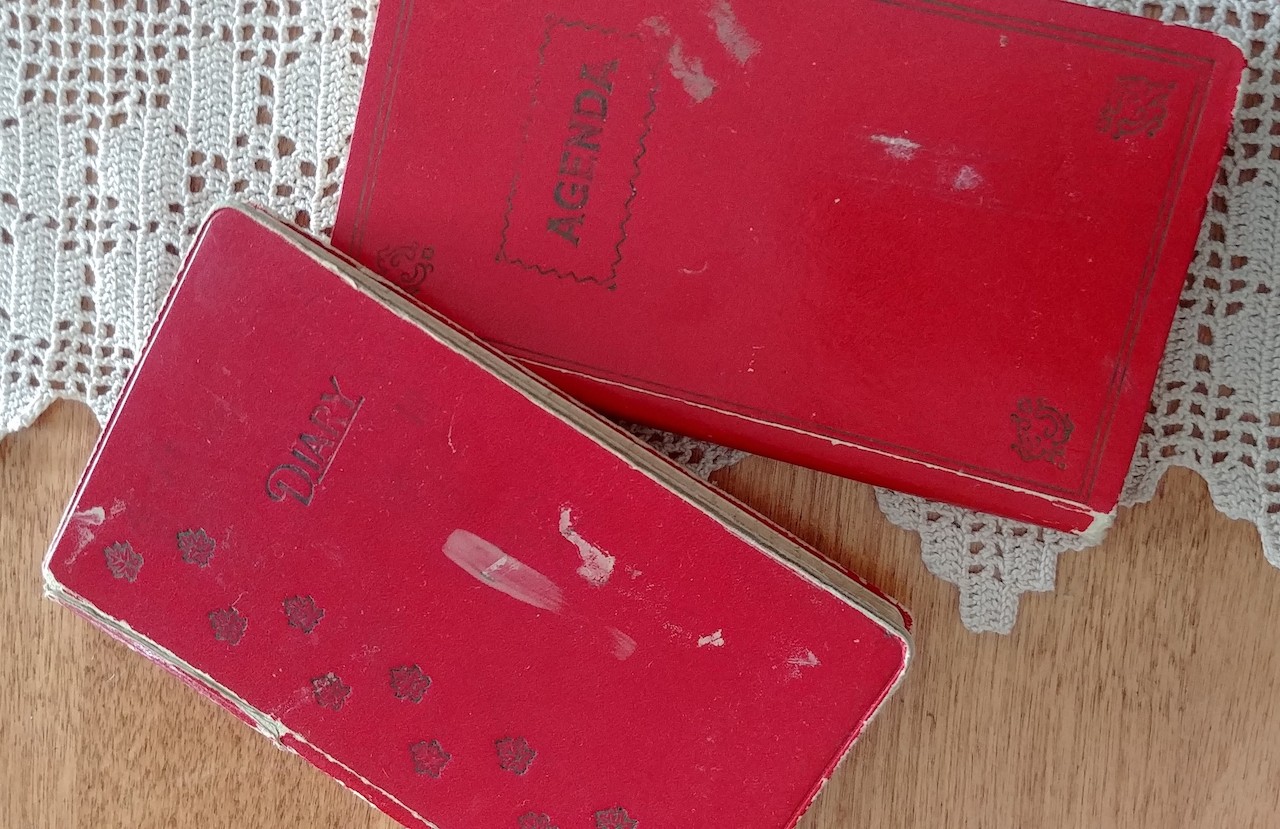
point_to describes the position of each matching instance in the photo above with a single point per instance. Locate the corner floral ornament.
(1138, 106)
(408, 266)
(1042, 432)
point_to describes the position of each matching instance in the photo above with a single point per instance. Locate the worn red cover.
(444, 583)
(931, 245)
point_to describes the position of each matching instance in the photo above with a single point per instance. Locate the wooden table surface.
(1142, 693)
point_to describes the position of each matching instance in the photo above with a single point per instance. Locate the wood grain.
(1140, 694)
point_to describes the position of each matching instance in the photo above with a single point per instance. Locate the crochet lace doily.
(123, 121)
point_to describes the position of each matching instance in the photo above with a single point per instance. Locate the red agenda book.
(931, 245)
(443, 582)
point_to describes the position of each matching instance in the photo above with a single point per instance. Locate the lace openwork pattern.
(123, 121)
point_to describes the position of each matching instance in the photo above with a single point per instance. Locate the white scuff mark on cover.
(487, 563)
(659, 25)
(93, 516)
(692, 272)
(897, 146)
(803, 658)
(634, 573)
(730, 33)
(449, 434)
(491, 566)
(674, 628)
(82, 521)
(117, 507)
(688, 71)
(597, 565)
(715, 640)
(296, 700)
(623, 645)
(967, 179)
(230, 408)
(1004, 40)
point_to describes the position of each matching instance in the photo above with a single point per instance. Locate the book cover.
(444, 583)
(931, 245)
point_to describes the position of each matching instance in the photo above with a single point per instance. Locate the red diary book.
(468, 599)
(932, 245)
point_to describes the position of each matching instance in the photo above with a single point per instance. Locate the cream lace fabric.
(123, 121)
